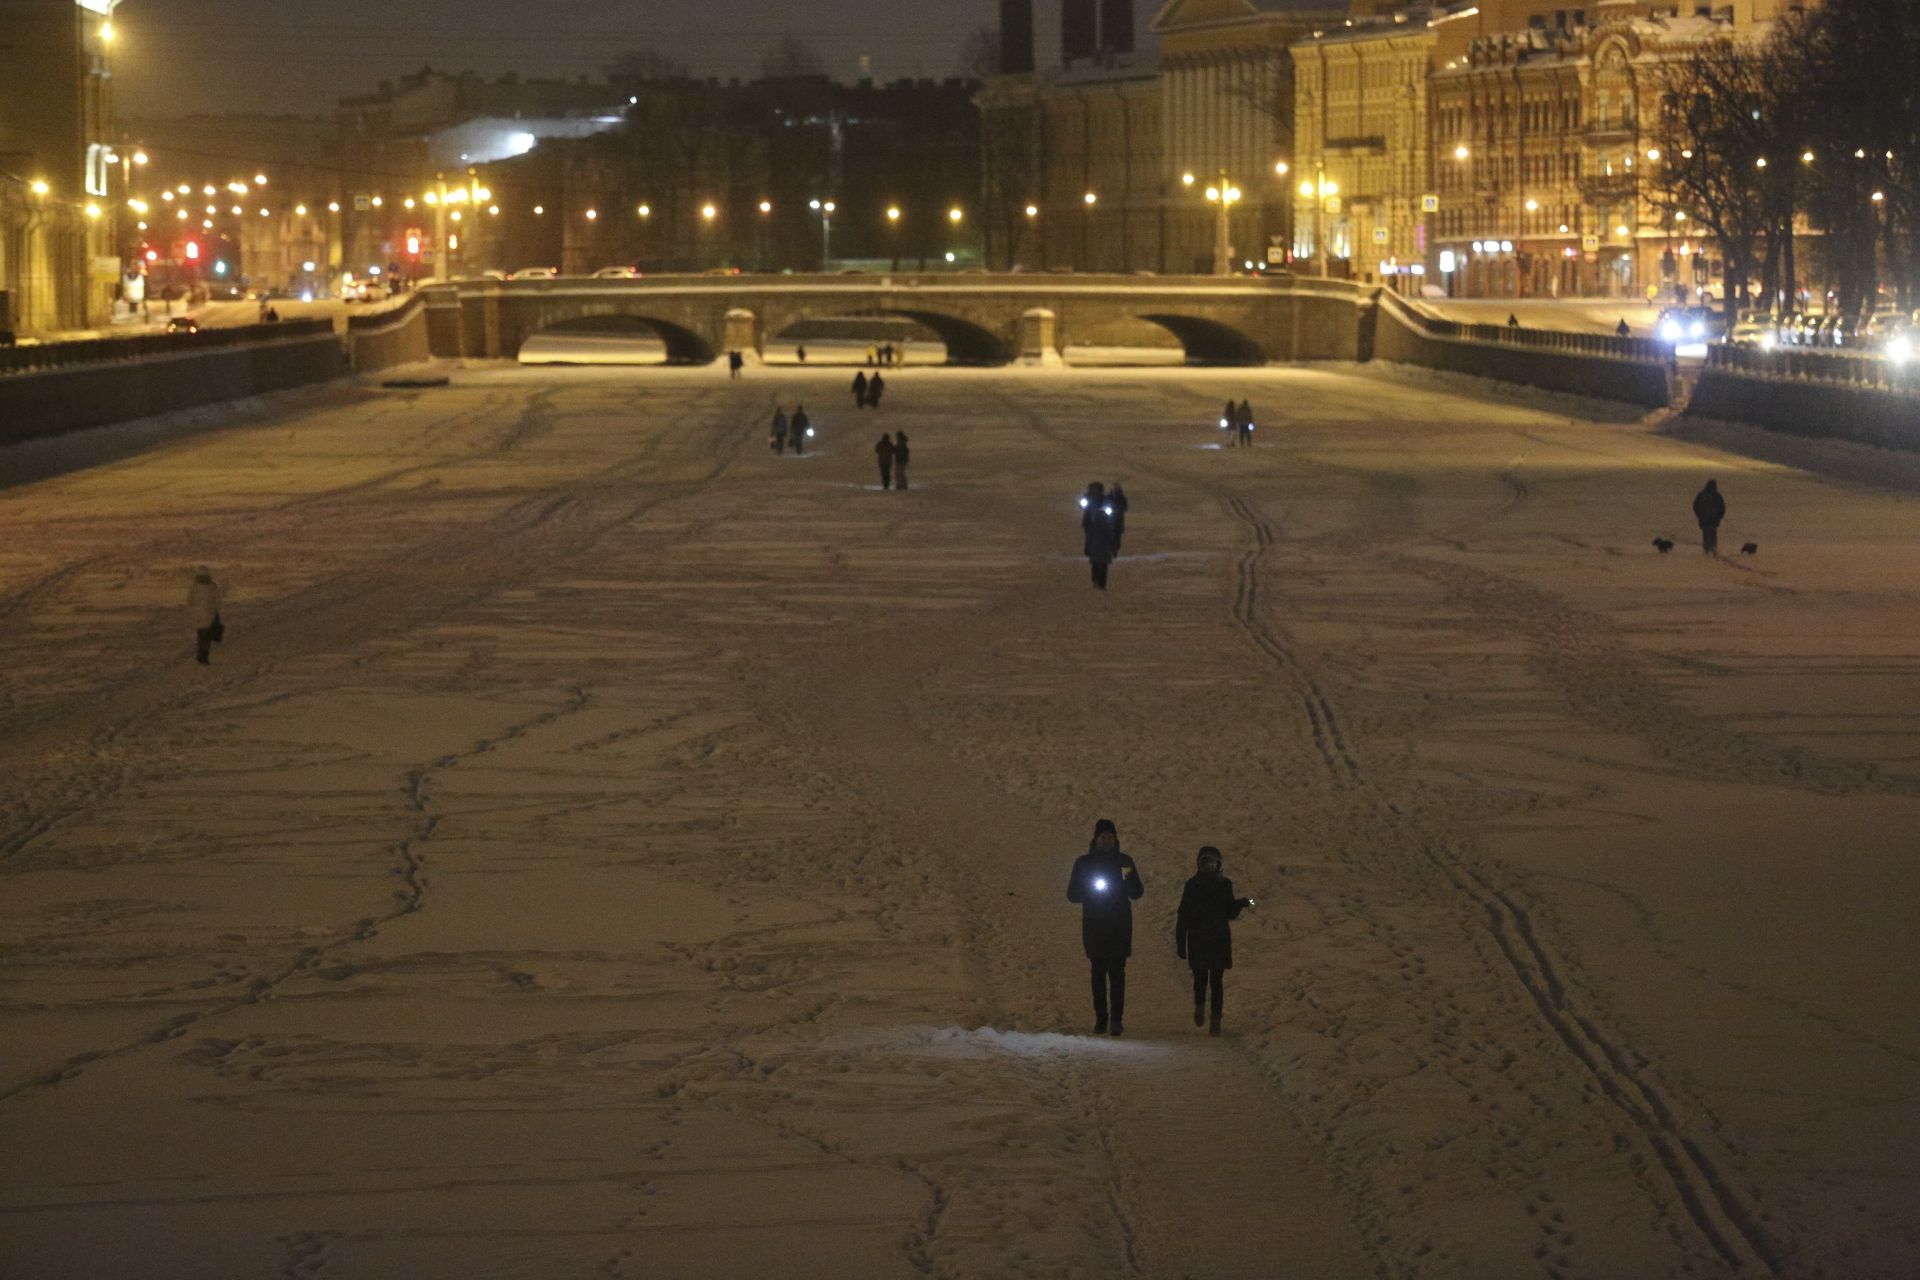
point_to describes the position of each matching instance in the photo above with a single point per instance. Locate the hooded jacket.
(1708, 506)
(203, 600)
(1100, 883)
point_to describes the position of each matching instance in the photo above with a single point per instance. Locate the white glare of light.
(1107, 510)
(1899, 350)
(809, 433)
(520, 143)
(1084, 504)
(1100, 884)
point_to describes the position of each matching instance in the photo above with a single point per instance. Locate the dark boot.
(1199, 1015)
(1213, 1025)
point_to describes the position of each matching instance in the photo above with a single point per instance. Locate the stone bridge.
(984, 319)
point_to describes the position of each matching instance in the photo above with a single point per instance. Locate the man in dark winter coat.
(1117, 499)
(1230, 423)
(860, 389)
(1202, 935)
(1105, 883)
(778, 437)
(1243, 419)
(902, 454)
(1709, 508)
(877, 385)
(884, 452)
(801, 428)
(1096, 532)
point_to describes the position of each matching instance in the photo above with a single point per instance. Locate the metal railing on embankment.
(1839, 368)
(1562, 340)
(61, 355)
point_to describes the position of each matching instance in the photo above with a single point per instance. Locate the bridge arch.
(1209, 341)
(967, 341)
(684, 345)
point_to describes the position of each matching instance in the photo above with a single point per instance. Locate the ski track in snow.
(599, 848)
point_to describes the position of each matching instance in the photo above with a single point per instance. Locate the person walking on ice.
(860, 389)
(901, 454)
(875, 386)
(1104, 883)
(1230, 423)
(1203, 934)
(884, 452)
(801, 428)
(1096, 532)
(1243, 419)
(203, 607)
(1709, 508)
(778, 437)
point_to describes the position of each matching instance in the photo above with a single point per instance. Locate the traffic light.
(413, 246)
(193, 251)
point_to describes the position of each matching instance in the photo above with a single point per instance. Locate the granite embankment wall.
(176, 373)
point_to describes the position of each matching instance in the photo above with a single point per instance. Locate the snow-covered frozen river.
(604, 847)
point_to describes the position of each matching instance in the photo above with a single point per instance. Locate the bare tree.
(644, 65)
(791, 57)
(979, 54)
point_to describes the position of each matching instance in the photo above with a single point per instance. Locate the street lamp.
(1086, 225)
(1320, 192)
(893, 233)
(825, 209)
(766, 211)
(1222, 196)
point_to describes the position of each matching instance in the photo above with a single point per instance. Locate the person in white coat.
(203, 606)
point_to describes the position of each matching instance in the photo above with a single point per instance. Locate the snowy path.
(604, 848)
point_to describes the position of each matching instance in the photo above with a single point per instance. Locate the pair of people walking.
(1237, 421)
(1105, 882)
(798, 429)
(1103, 526)
(867, 391)
(893, 455)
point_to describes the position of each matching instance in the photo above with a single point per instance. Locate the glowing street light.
(708, 212)
(954, 215)
(645, 211)
(1460, 152)
(1033, 211)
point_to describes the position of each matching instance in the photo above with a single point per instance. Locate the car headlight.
(1900, 350)
(1699, 329)
(1768, 341)
(1670, 331)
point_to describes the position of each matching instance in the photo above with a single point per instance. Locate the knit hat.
(1106, 825)
(1208, 854)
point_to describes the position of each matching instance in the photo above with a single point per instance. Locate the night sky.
(178, 56)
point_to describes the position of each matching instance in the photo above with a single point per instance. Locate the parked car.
(183, 324)
(617, 273)
(364, 291)
(1755, 329)
(536, 273)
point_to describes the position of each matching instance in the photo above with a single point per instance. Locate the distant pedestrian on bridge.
(884, 452)
(901, 453)
(1621, 330)
(735, 363)
(778, 439)
(1709, 508)
(860, 389)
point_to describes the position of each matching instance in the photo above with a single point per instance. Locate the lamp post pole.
(1222, 251)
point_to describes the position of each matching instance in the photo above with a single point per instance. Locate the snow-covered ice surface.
(604, 848)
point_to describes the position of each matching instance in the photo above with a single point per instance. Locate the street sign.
(1276, 256)
(1429, 204)
(1590, 244)
(1379, 235)
(1333, 204)
(361, 204)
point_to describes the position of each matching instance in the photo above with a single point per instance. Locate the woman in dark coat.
(884, 452)
(875, 387)
(1096, 530)
(1105, 882)
(860, 389)
(1203, 936)
(902, 455)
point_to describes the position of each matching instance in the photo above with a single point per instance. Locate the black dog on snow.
(1663, 545)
